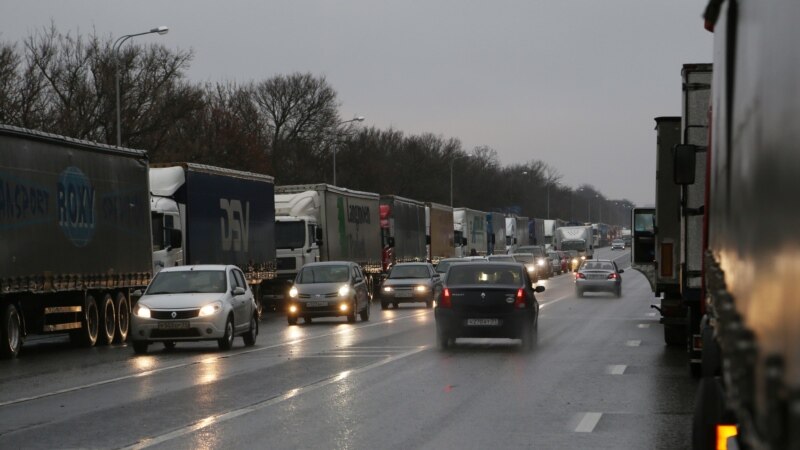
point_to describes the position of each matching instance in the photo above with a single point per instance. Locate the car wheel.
(140, 347)
(169, 345)
(10, 332)
(365, 313)
(529, 336)
(292, 320)
(351, 318)
(618, 292)
(226, 341)
(578, 293)
(429, 304)
(384, 306)
(252, 333)
(443, 341)
(395, 305)
(306, 319)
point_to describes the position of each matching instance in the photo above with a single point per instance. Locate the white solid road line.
(618, 369)
(232, 414)
(588, 422)
(633, 343)
(203, 361)
(644, 325)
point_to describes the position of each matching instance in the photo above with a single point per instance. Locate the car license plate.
(181, 325)
(483, 322)
(316, 304)
(403, 294)
(597, 277)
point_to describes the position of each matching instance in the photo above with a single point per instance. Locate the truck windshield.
(290, 235)
(573, 245)
(186, 281)
(323, 274)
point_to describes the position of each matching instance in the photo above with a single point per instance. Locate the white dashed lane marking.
(633, 343)
(616, 369)
(588, 422)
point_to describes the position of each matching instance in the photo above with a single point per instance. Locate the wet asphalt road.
(600, 377)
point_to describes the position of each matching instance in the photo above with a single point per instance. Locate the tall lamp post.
(115, 49)
(335, 145)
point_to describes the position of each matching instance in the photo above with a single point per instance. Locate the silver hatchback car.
(598, 276)
(329, 289)
(194, 303)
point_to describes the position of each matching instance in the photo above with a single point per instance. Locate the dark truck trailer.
(213, 215)
(402, 230)
(74, 237)
(750, 324)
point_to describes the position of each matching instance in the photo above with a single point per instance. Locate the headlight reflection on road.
(144, 362)
(209, 371)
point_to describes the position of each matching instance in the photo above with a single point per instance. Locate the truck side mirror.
(684, 159)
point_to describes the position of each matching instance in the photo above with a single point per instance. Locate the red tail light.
(447, 299)
(613, 276)
(579, 275)
(519, 300)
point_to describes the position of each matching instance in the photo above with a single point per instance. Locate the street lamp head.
(359, 118)
(160, 30)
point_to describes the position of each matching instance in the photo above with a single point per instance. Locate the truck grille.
(286, 264)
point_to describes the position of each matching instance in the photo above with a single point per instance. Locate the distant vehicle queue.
(112, 235)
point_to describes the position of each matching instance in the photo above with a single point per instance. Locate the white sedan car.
(194, 303)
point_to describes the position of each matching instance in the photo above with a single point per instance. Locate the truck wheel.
(140, 347)
(108, 320)
(90, 324)
(674, 336)
(123, 318)
(226, 341)
(10, 332)
(252, 333)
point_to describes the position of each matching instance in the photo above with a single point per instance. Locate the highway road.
(600, 377)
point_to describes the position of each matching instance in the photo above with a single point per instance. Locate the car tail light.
(447, 299)
(613, 276)
(519, 300)
(579, 275)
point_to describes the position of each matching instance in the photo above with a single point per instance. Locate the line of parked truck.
(84, 226)
(720, 247)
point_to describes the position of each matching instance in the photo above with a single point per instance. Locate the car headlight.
(387, 289)
(583, 258)
(343, 307)
(293, 292)
(344, 291)
(540, 262)
(421, 288)
(142, 311)
(530, 267)
(209, 309)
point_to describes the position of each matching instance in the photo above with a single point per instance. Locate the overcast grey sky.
(575, 83)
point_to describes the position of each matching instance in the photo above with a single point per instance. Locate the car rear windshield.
(189, 281)
(323, 274)
(443, 266)
(588, 265)
(409, 272)
(469, 274)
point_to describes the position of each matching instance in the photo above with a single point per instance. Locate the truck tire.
(90, 324)
(123, 318)
(10, 332)
(108, 321)
(675, 336)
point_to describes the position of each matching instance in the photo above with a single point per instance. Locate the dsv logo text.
(235, 225)
(358, 214)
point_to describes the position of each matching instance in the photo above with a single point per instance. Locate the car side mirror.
(238, 290)
(620, 271)
(137, 293)
(538, 289)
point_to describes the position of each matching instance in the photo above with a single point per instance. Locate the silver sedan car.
(193, 303)
(409, 283)
(598, 275)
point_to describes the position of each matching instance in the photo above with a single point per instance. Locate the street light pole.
(336, 144)
(452, 161)
(115, 50)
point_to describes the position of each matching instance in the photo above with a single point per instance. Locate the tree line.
(288, 126)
